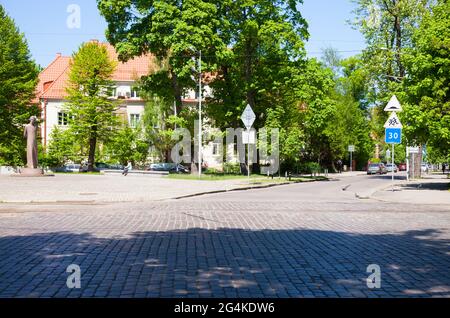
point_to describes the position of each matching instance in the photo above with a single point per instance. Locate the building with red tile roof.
(51, 89)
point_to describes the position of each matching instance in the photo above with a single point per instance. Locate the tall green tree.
(128, 143)
(92, 116)
(18, 79)
(159, 124)
(266, 41)
(174, 31)
(427, 87)
(388, 27)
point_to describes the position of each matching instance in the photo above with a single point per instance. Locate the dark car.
(170, 167)
(105, 166)
(376, 168)
(402, 166)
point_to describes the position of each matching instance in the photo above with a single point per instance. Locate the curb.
(377, 189)
(236, 189)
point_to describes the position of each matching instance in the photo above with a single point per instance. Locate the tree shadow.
(226, 263)
(438, 186)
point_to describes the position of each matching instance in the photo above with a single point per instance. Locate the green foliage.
(62, 148)
(427, 113)
(92, 112)
(388, 27)
(172, 31)
(159, 124)
(231, 168)
(128, 144)
(18, 79)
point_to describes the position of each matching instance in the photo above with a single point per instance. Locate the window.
(114, 92)
(135, 94)
(134, 120)
(63, 119)
(215, 149)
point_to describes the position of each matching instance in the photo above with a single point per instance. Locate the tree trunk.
(92, 148)
(399, 47)
(176, 91)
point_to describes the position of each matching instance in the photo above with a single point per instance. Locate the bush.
(231, 168)
(212, 171)
(309, 167)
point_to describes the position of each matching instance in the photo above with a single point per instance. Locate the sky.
(46, 28)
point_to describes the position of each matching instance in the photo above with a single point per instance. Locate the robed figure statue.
(30, 134)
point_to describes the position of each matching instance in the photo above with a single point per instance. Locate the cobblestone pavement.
(206, 247)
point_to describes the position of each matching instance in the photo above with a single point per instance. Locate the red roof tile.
(53, 79)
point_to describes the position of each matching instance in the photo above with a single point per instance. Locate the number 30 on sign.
(393, 135)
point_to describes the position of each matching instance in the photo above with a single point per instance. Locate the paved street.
(302, 240)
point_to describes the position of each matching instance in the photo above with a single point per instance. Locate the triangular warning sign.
(393, 105)
(393, 122)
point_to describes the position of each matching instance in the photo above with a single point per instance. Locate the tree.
(128, 144)
(427, 87)
(388, 26)
(266, 41)
(174, 31)
(18, 79)
(160, 124)
(92, 116)
(62, 147)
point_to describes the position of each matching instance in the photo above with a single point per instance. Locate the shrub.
(231, 168)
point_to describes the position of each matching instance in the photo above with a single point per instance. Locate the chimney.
(94, 41)
(58, 55)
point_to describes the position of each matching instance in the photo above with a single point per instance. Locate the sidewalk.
(110, 188)
(432, 189)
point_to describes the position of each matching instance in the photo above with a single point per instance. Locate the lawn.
(255, 178)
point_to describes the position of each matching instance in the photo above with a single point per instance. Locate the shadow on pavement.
(440, 186)
(226, 263)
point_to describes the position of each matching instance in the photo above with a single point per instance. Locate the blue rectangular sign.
(393, 136)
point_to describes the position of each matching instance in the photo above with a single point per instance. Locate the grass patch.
(254, 179)
(211, 177)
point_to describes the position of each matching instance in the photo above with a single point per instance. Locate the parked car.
(376, 168)
(402, 166)
(391, 166)
(170, 167)
(105, 166)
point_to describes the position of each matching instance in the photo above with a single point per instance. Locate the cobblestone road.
(206, 247)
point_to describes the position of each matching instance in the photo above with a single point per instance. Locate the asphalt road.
(302, 240)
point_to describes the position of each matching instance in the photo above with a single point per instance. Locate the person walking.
(339, 164)
(127, 168)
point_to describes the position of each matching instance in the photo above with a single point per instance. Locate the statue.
(30, 134)
(32, 169)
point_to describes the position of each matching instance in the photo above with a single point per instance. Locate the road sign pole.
(248, 155)
(200, 115)
(407, 164)
(351, 161)
(392, 166)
